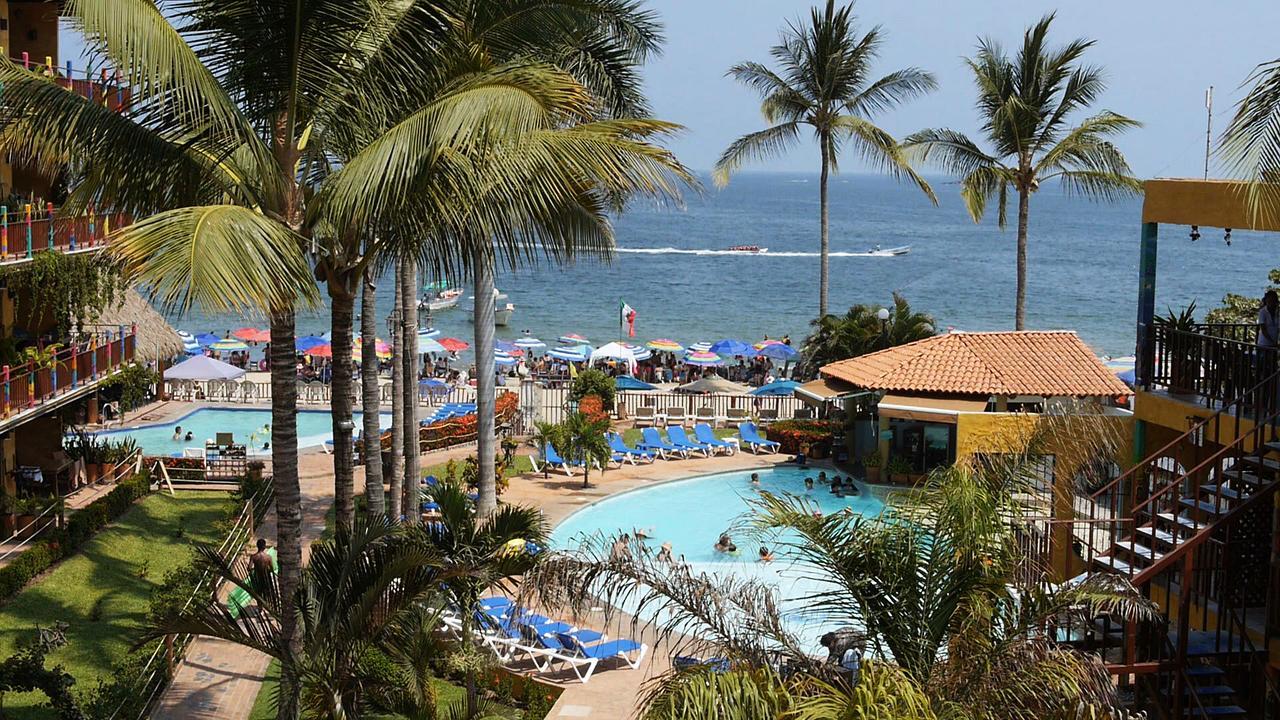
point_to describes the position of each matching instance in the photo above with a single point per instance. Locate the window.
(925, 446)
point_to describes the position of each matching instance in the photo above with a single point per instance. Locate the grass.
(114, 572)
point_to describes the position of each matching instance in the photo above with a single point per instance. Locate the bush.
(593, 407)
(593, 382)
(792, 434)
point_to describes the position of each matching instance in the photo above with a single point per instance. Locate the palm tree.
(395, 488)
(584, 442)
(861, 331)
(1251, 143)
(1026, 102)
(371, 392)
(481, 553)
(824, 81)
(409, 358)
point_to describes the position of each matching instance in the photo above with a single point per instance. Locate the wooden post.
(26, 211)
(7, 383)
(48, 208)
(4, 231)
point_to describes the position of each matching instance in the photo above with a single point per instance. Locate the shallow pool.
(249, 426)
(691, 514)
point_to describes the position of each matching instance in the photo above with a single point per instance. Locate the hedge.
(63, 542)
(791, 434)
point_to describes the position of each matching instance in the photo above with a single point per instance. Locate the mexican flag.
(627, 314)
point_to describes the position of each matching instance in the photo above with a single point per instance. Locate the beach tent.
(777, 387)
(202, 367)
(626, 382)
(615, 351)
(712, 384)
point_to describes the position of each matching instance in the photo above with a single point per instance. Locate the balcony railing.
(83, 362)
(1216, 363)
(32, 229)
(101, 86)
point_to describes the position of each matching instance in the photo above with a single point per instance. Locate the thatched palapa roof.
(157, 340)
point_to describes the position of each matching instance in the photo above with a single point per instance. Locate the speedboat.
(502, 310)
(439, 296)
(750, 249)
(877, 251)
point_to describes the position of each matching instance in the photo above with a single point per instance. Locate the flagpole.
(619, 320)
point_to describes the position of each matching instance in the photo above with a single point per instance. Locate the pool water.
(249, 426)
(691, 514)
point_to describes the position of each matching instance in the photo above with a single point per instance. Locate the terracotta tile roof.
(1044, 363)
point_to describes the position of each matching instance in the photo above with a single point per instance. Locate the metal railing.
(83, 361)
(1215, 368)
(33, 228)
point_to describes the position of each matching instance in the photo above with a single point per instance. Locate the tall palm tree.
(371, 392)
(861, 331)
(395, 488)
(1251, 143)
(824, 80)
(1026, 102)
(409, 359)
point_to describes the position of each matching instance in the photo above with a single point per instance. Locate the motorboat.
(877, 251)
(502, 310)
(439, 296)
(750, 249)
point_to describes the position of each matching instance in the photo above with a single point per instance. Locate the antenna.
(1208, 129)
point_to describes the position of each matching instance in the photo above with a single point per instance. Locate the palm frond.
(881, 151)
(762, 144)
(1250, 146)
(705, 693)
(891, 90)
(978, 186)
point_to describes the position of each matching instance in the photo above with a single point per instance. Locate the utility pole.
(1208, 129)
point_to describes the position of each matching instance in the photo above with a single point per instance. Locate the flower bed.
(792, 434)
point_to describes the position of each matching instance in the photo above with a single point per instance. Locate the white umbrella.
(203, 367)
(530, 343)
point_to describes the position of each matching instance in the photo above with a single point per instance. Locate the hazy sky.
(1160, 55)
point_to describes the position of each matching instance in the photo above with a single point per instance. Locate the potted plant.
(42, 360)
(95, 456)
(115, 454)
(1181, 348)
(898, 467)
(28, 509)
(871, 462)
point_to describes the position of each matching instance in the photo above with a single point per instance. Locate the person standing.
(262, 568)
(1268, 333)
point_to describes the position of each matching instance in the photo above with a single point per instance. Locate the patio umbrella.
(319, 351)
(249, 334)
(573, 339)
(428, 333)
(703, 358)
(530, 343)
(665, 345)
(776, 351)
(453, 344)
(306, 342)
(700, 347)
(507, 347)
(731, 348)
(570, 354)
(626, 382)
(203, 367)
(207, 339)
(502, 359)
(228, 344)
(427, 346)
(713, 384)
(189, 343)
(776, 388)
(639, 352)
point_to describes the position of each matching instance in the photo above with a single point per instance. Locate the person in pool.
(188, 436)
(835, 485)
(177, 432)
(851, 488)
(822, 476)
(755, 478)
(808, 483)
(766, 556)
(725, 544)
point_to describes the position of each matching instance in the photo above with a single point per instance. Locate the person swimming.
(766, 556)
(177, 432)
(755, 478)
(725, 544)
(188, 436)
(808, 483)
(822, 476)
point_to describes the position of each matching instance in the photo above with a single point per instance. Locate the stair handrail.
(1150, 459)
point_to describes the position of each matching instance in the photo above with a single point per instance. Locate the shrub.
(792, 434)
(593, 407)
(593, 382)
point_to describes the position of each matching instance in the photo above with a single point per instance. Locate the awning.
(928, 409)
(825, 390)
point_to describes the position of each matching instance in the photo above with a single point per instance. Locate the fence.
(545, 404)
(32, 229)
(64, 369)
(102, 86)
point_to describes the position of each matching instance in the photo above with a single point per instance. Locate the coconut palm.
(1251, 143)
(861, 331)
(1026, 103)
(371, 396)
(395, 488)
(824, 81)
(585, 442)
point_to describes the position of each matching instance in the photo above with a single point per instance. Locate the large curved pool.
(691, 514)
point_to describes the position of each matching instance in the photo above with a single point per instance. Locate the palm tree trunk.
(371, 402)
(396, 486)
(1024, 213)
(342, 316)
(825, 242)
(485, 385)
(409, 356)
(288, 493)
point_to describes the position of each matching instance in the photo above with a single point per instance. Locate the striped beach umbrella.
(573, 339)
(189, 343)
(570, 354)
(639, 352)
(703, 358)
(427, 346)
(428, 333)
(530, 343)
(502, 359)
(700, 347)
(228, 344)
(453, 344)
(665, 345)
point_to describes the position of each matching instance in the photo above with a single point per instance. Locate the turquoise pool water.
(245, 425)
(691, 514)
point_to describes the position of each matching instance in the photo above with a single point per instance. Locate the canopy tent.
(626, 382)
(202, 367)
(712, 384)
(777, 387)
(615, 351)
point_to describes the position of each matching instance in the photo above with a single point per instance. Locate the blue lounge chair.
(681, 439)
(628, 453)
(653, 441)
(543, 649)
(751, 438)
(580, 654)
(552, 458)
(705, 435)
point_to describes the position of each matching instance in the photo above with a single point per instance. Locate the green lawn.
(102, 592)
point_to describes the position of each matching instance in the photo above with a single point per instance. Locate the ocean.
(670, 266)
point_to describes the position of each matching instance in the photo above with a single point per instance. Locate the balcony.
(33, 229)
(100, 86)
(1210, 364)
(68, 373)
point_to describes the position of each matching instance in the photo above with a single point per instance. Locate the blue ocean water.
(1083, 266)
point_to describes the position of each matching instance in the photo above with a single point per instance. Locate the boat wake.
(739, 253)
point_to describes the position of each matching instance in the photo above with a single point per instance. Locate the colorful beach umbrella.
(249, 334)
(703, 358)
(228, 345)
(732, 348)
(319, 351)
(573, 339)
(427, 346)
(306, 342)
(665, 345)
(454, 344)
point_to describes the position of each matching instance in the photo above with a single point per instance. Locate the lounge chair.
(552, 458)
(645, 417)
(544, 649)
(750, 437)
(736, 415)
(707, 436)
(675, 415)
(706, 414)
(580, 654)
(803, 413)
(653, 441)
(768, 415)
(681, 440)
(630, 454)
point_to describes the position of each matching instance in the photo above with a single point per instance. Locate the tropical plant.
(585, 442)
(1239, 309)
(1026, 102)
(41, 357)
(594, 382)
(860, 331)
(135, 382)
(1183, 320)
(824, 81)
(362, 589)
(1251, 143)
(480, 553)
(547, 434)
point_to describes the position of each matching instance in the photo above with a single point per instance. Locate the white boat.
(877, 251)
(502, 310)
(440, 300)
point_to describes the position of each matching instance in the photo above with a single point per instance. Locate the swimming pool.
(246, 425)
(691, 514)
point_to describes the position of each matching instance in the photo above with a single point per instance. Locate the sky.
(1160, 56)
